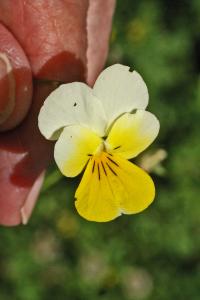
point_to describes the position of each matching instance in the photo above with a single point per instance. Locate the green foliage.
(154, 255)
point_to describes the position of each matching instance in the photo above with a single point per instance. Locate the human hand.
(42, 44)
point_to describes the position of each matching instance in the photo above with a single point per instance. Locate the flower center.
(103, 147)
(100, 149)
(103, 164)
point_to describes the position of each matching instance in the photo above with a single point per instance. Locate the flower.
(99, 129)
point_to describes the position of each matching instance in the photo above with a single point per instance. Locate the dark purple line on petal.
(113, 161)
(99, 175)
(104, 168)
(93, 167)
(111, 169)
(116, 147)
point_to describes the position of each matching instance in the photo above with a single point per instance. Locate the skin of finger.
(55, 53)
(99, 22)
(52, 34)
(15, 81)
(31, 199)
(24, 153)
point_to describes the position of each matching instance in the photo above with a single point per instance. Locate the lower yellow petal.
(138, 190)
(95, 200)
(110, 186)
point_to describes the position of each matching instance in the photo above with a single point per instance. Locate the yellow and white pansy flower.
(98, 130)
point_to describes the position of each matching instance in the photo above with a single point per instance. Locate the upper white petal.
(71, 104)
(120, 91)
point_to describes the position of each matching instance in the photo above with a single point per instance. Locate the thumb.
(15, 81)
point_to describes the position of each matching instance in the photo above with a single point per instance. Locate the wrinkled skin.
(42, 44)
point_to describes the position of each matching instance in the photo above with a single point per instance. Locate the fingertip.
(15, 82)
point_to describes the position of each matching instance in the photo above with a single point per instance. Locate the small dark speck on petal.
(70, 136)
(75, 103)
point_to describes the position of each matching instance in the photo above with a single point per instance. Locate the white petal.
(70, 104)
(120, 91)
(74, 148)
(132, 133)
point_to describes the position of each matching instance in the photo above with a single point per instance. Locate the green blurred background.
(154, 255)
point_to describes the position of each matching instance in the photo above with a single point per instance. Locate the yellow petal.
(137, 188)
(95, 197)
(73, 149)
(132, 133)
(111, 186)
